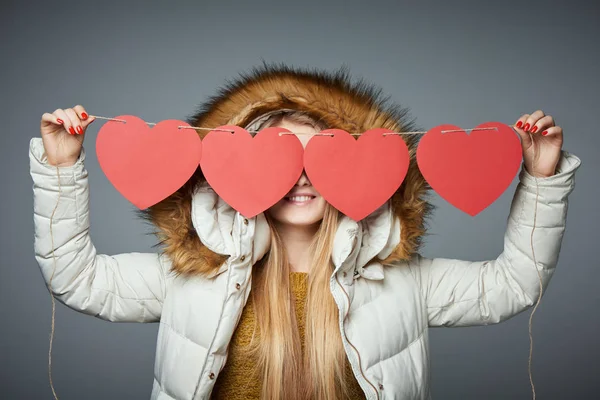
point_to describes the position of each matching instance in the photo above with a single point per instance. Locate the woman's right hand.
(63, 132)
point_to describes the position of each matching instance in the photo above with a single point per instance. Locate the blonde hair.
(286, 373)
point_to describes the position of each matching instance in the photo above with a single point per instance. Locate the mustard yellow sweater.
(235, 380)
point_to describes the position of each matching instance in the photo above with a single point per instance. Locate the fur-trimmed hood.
(331, 97)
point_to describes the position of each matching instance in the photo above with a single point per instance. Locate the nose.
(303, 181)
(304, 139)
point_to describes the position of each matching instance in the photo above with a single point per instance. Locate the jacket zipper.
(346, 337)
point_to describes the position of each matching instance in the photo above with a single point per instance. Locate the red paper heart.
(470, 171)
(145, 164)
(356, 176)
(251, 174)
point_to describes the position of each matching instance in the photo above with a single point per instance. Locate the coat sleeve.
(127, 287)
(466, 293)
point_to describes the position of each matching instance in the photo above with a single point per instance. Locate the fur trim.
(330, 97)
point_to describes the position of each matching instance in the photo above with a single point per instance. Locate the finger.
(542, 124)
(533, 119)
(81, 113)
(75, 122)
(63, 118)
(521, 121)
(84, 116)
(51, 119)
(553, 131)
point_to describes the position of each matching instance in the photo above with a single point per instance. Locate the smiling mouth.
(300, 200)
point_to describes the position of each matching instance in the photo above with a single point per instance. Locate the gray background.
(461, 63)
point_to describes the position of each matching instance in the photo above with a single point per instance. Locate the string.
(50, 286)
(537, 193)
(202, 128)
(531, 243)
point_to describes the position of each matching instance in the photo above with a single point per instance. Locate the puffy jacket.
(196, 287)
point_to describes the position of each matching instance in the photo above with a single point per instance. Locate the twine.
(537, 194)
(202, 128)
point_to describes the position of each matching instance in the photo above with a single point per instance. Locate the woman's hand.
(63, 132)
(541, 148)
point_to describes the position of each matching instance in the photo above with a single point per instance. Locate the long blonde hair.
(285, 372)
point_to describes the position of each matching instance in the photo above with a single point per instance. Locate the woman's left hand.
(541, 148)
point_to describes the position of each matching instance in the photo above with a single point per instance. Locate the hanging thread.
(537, 194)
(212, 129)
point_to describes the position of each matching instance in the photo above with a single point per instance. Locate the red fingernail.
(534, 129)
(79, 129)
(60, 121)
(71, 130)
(84, 115)
(545, 133)
(519, 124)
(526, 127)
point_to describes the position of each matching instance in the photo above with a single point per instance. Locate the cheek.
(322, 206)
(275, 210)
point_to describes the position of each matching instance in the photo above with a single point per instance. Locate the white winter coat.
(385, 311)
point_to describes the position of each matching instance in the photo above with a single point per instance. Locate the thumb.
(526, 141)
(87, 122)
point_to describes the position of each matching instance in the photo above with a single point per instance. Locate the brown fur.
(328, 97)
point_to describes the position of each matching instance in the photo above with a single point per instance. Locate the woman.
(300, 301)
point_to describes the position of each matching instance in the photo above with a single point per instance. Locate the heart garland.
(251, 174)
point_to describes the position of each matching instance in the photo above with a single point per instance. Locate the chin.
(297, 220)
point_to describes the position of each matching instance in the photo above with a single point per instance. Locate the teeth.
(300, 199)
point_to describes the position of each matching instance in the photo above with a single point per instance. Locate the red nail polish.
(71, 130)
(79, 129)
(519, 124)
(84, 116)
(545, 133)
(526, 127)
(534, 129)
(60, 121)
